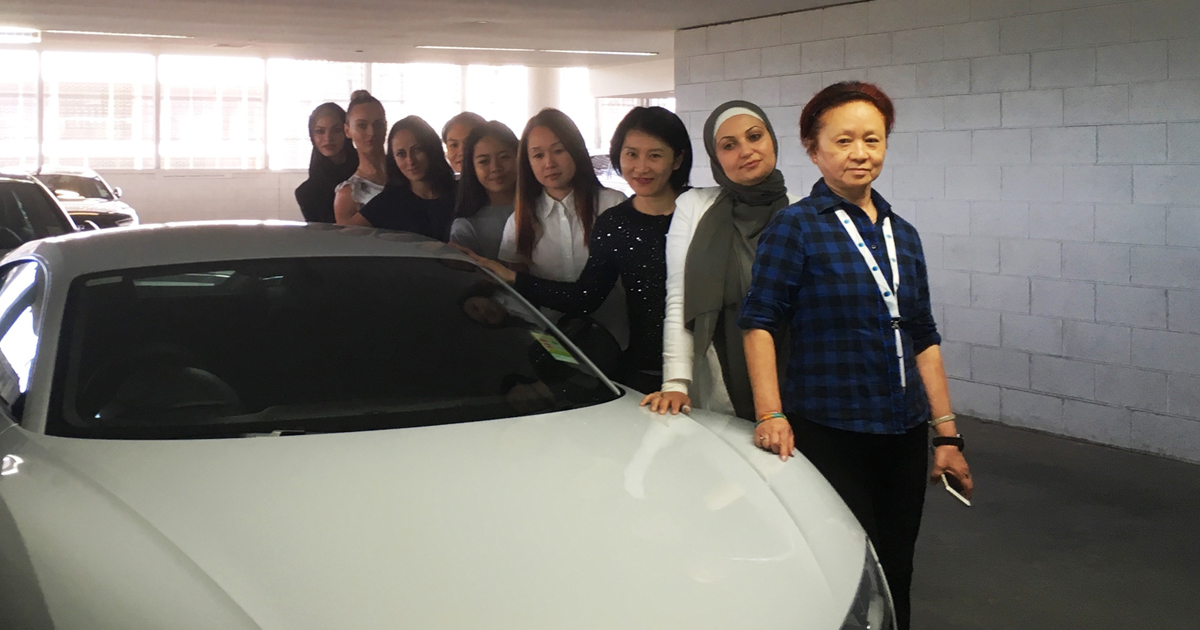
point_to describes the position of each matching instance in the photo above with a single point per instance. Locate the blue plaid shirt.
(842, 370)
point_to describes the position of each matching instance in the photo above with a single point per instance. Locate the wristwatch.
(945, 440)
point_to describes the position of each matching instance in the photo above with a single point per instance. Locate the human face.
(409, 156)
(455, 137)
(495, 166)
(329, 136)
(367, 127)
(850, 148)
(745, 150)
(647, 164)
(552, 164)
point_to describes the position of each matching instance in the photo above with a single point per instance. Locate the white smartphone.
(955, 488)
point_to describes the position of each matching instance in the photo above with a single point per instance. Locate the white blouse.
(560, 252)
(707, 390)
(362, 190)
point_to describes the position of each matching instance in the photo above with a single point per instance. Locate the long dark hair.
(585, 183)
(662, 124)
(318, 164)
(439, 173)
(471, 194)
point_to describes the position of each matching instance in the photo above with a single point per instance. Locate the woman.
(486, 189)
(454, 136)
(333, 161)
(845, 276)
(420, 193)
(558, 200)
(709, 252)
(365, 125)
(652, 151)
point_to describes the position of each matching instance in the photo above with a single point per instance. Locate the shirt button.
(874, 247)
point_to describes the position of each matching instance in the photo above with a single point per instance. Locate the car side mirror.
(117, 192)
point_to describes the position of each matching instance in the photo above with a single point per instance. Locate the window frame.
(32, 297)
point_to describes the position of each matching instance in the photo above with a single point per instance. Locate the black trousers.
(882, 479)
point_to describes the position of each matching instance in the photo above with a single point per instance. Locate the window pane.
(18, 109)
(665, 103)
(499, 93)
(575, 97)
(432, 91)
(612, 110)
(99, 109)
(296, 88)
(212, 112)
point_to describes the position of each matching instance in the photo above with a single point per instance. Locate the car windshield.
(27, 213)
(69, 187)
(305, 345)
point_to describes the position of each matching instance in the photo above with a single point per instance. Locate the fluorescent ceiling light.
(118, 34)
(19, 35)
(544, 50)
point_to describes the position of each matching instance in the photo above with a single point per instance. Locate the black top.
(632, 246)
(316, 194)
(398, 208)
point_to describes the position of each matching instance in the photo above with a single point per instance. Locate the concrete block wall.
(164, 195)
(1049, 153)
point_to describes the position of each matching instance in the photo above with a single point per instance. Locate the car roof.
(154, 245)
(18, 177)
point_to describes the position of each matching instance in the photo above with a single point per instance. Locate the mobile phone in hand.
(955, 488)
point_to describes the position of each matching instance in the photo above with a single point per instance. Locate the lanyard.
(887, 292)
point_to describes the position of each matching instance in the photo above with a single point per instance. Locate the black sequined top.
(625, 244)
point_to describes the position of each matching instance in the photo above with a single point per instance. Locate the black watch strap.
(945, 440)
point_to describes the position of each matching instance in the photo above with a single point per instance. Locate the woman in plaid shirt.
(845, 277)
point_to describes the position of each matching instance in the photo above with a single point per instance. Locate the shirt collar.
(827, 201)
(548, 203)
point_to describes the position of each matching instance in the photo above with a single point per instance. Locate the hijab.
(316, 194)
(721, 254)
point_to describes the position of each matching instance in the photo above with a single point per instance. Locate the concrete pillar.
(543, 89)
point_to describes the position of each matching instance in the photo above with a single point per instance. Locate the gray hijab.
(720, 256)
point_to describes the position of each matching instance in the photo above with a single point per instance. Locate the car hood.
(95, 205)
(607, 517)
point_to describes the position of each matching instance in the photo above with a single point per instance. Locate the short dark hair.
(663, 124)
(471, 194)
(585, 183)
(840, 94)
(464, 118)
(440, 175)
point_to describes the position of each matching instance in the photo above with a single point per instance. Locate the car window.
(68, 187)
(305, 345)
(27, 213)
(18, 335)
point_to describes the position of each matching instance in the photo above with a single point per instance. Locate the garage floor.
(1062, 535)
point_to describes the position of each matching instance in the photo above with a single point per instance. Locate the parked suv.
(87, 197)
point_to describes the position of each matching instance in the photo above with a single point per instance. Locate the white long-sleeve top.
(706, 390)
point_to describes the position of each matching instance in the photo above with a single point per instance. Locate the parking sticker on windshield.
(555, 348)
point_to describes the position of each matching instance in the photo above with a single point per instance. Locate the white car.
(87, 197)
(289, 426)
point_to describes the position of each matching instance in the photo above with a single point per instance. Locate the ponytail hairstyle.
(472, 196)
(585, 183)
(439, 173)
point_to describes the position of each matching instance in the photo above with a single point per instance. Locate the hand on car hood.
(606, 517)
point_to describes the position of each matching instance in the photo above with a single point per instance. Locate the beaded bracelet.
(769, 416)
